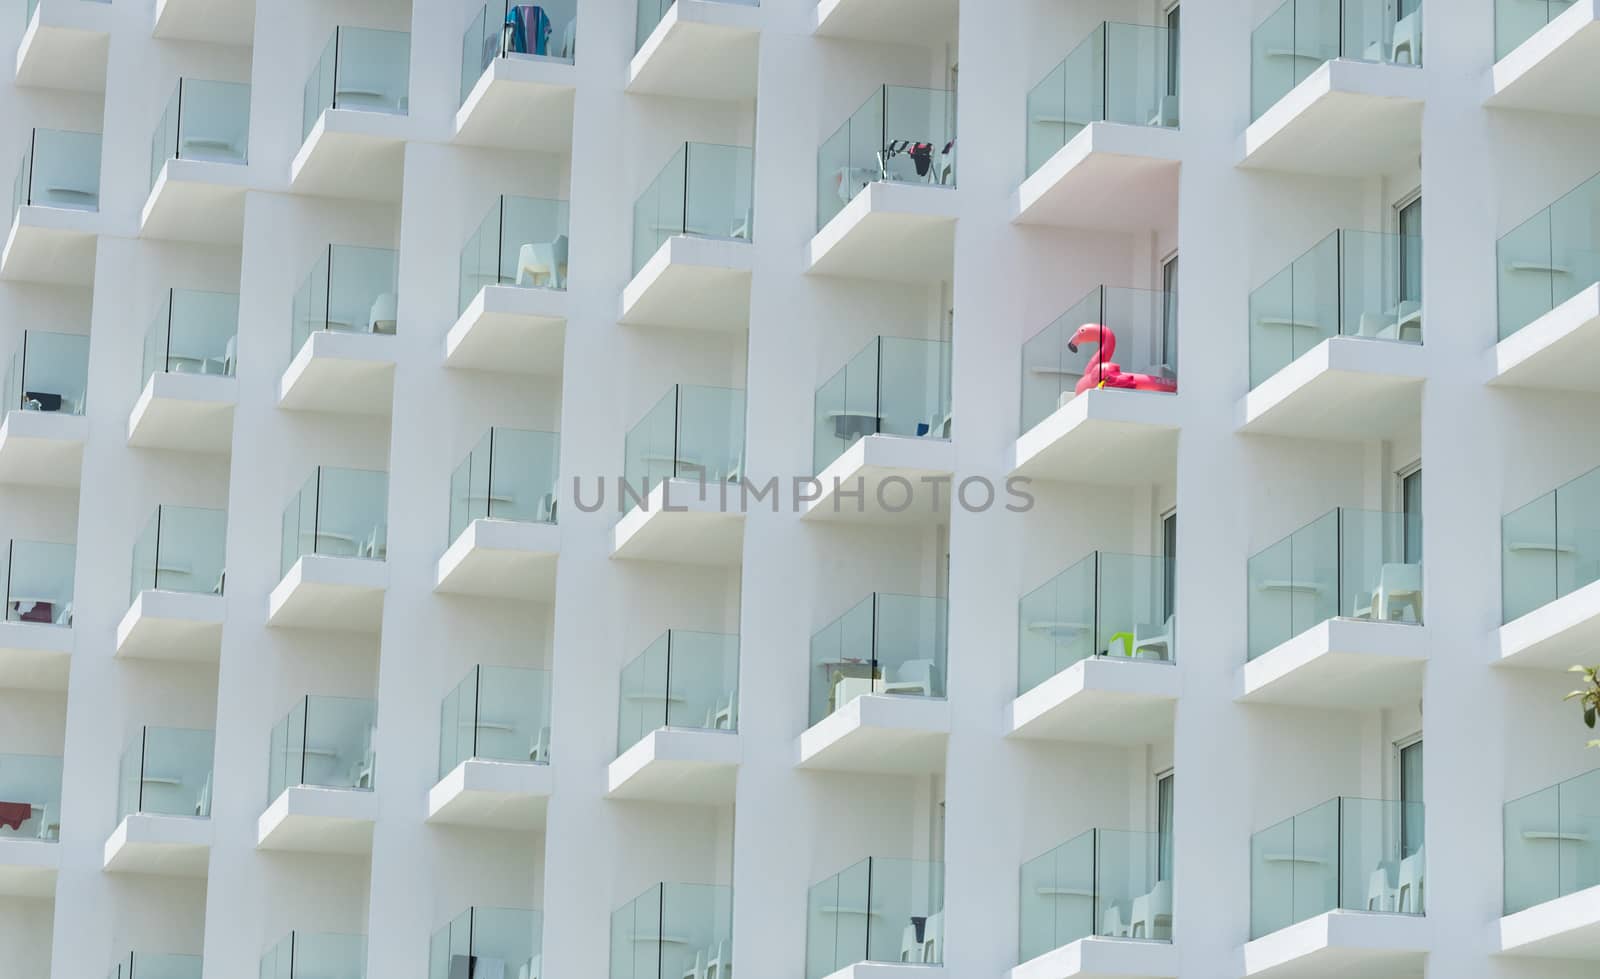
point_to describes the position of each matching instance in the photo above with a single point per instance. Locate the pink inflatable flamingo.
(1103, 372)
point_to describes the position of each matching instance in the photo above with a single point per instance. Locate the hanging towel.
(530, 29)
(14, 814)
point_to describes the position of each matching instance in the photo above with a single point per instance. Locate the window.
(1411, 510)
(1411, 825)
(1172, 48)
(1164, 826)
(1409, 222)
(1169, 550)
(1169, 313)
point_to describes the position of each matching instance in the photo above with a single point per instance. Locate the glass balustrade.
(362, 69)
(59, 169)
(682, 680)
(1346, 564)
(1550, 547)
(138, 965)
(192, 333)
(166, 772)
(30, 798)
(878, 910)
(886, 644)
(39, 582)
(203, 120)
(1363, 284)
(1113, 605)
(498, 713)
(324, 742)
(899, 133)
(521, 242)
(349, 290)
(705, 190)
(673, 930)
(48, 372)
(1549, 258)
(181, 549)
(651, 12)
(1112, 338)
(693, 433)
(1299, 36)
(1550, 848)
(1349, 854)
(1104, 883)
(489, 942)
(509, 475)
(1517, 20)
(508, 29)
(1121, 73)
(313, 955)
(894, 386)
(338, 513)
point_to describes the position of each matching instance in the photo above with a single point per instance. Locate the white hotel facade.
(323, 320)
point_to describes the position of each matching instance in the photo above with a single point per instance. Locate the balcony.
(353, 123)
(1091, 644)
(1103, 146)
(692, 228)
(1552, 880)
(30, 801)
(673, 930)
(513, 299)
(1339, 890)
(1332, 90)
(927, 23)
(342, 334)
(307, 955)
(197, 164)
(1547, 56)
(334, 542)
(163, 805)
(320, 779)
(494, 751)
(157, 966)
(1084, 418)
(1099, 904)
(696, 49)
(517, 85)
(1549, 296)
(209, 21)
(36, 635)
(1550, 577)
(878, 910)
(681, 465)
(64, 45)
(190, 356)
(882, 429)
(1334, 614)
(485, 940)
(678, 721)
(55, 207)
(1317, 366)
(43, 428)
(878, 689)
(176, 604)
(880, 211)
(504, 539)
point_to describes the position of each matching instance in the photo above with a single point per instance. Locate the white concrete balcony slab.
(1564, 928)
(172, 625)
(510, 330)
(892, 231)
(701, 49)
(890, 970)
(52, 245)
(679, 765)
(42, 448)
(692, 283)
(227, 22)
(34, 656)
(1555, 70)
(185, 413)
(1099, 700)
(492, 795)
(339, 594)
(880, 479)
(1347, 119)
(520, 104)
(28, 868)
(1348, 944)
(502, 559)
(891, 21)
(1103, 958)
(196, 201)
(1560, 350)
(676, 525)
(311, 819)
(1340, 664)
(1556, 635)
(353, 154)
(167, 846)
(888, 734)
(64, 46)
(1343, 389)
(351, 373)
(1109, 176)
(1104, 436)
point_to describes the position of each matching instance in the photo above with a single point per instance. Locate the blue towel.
(530, 29)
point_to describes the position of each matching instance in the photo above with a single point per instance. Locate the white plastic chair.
(1111, 923)
(540, 749)
(720, 718)
(915, 676)
(933, 938)
(384, 315)
(698, 969)
(543, 263)
(1152, 913)
(1166, 113)
(1408, 39)
(1399, 587)
(1381, 893)
(1153, 641)
(1411, 897)
(720, 963)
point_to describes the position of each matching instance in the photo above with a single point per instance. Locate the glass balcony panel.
(204, 120)
(1550, 547)
(694, 433)
(349, 290)
(59, 169)
(1302, 34)
(672, 930)
(492, 941)
(704, 190)
(658, 214)
(363, 69)
(1058, 897)
(1549, 258)
(682, 680)
(30, 797)
(1517, 20)
(339, 513)
(1580, 806)
(1104, 605)
(1050, 127)
(49, 372)
(522, 241)
(643, 688)
(1055, 625)
(1536, 855)
(1127, 895)
(1375, 580)
(1134, 620)
(39, 582)
(507, 29)
(1134, 329)
(899, 133)
(181, 549)
(841, 660)
(310, 955)
(909, 645)
(326, 742)
(139, 965)
(167, 772)
(192, 333)
(509, 475)
(498, 713)
(1294, 584)
(894, 386)
(879, 910)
